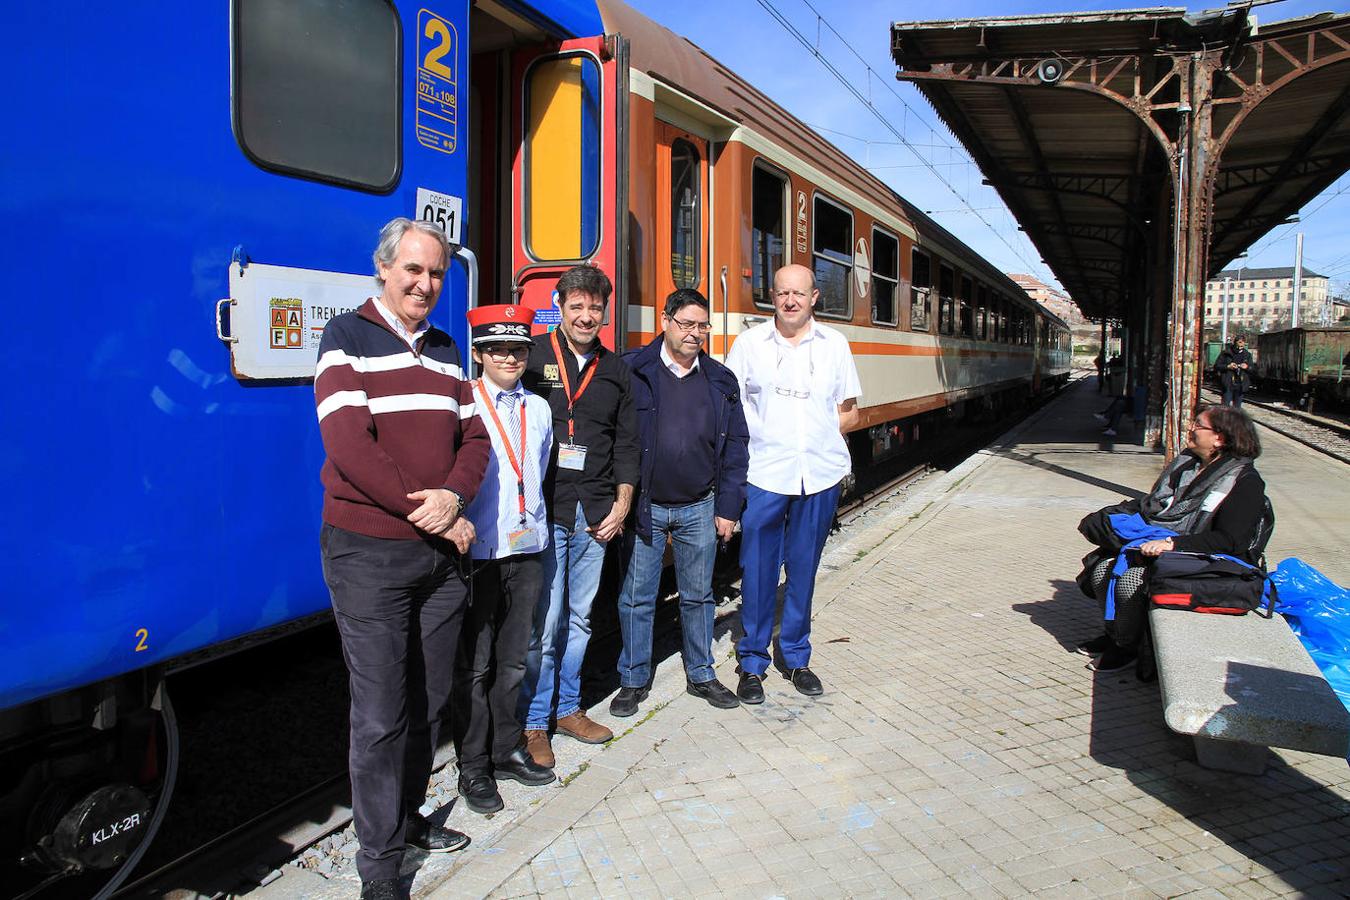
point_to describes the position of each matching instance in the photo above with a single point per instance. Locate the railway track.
(1321, 433)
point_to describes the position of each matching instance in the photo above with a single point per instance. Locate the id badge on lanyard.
(571, 455)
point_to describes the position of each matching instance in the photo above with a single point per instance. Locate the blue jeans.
(694, 535)
(788, 531)
(562, 624)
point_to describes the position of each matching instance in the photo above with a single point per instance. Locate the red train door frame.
(569, 178)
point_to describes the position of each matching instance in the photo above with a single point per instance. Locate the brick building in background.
(1086, 334)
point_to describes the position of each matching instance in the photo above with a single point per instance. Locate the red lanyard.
(518, 465)
(567, 385)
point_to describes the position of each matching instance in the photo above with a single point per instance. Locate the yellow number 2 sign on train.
(437, 103)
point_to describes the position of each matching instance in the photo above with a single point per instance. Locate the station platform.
(961, 748)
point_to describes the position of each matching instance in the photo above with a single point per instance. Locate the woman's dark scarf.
(1188, 493)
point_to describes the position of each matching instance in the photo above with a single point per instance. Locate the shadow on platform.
(1267, 818)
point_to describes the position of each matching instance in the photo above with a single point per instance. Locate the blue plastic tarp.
(1318, 611)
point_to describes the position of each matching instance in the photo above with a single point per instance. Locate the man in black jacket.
(692, 491)
(1234, 365)
(588, 490)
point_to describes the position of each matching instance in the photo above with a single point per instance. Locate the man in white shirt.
(801, 390)
(508, 525)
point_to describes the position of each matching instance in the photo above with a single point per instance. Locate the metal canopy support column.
(1190, 168)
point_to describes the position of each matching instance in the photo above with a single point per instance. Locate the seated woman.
(1213, 498)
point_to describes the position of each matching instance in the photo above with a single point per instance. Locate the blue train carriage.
(206, 189)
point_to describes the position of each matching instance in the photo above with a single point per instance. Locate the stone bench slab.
(1244, 680)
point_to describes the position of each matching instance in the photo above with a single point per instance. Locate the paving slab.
(961, 748)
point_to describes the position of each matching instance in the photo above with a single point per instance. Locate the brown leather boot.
(578, 726)
(537, 745)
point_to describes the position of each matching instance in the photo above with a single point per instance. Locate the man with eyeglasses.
(691, 492)
(801, 394)
(508, 526)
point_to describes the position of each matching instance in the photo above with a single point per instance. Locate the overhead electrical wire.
(802, 39)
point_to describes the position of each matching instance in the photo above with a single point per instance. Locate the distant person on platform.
(692, 493)
(1234, 365)
(801, 393)
(1117, 388)
(509, 527)
(589, 490)
(405, 454)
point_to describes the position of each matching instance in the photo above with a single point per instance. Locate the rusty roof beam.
(1330, 117)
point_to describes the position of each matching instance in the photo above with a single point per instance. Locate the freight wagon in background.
(1310, 363)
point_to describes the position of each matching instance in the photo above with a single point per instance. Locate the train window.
(562, 157)
(325, 107)
(920, 287)
(946, 300)
(832, 257)
(981, 312)
(768, 200)
(685, 187)
(967, 317)
(885, 276)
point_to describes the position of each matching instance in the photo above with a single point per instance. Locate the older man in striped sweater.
(406, 452)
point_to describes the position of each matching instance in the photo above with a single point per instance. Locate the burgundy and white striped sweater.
(393, 420)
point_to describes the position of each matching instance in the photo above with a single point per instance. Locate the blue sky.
(743, 35)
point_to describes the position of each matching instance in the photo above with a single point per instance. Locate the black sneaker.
(714, 692)
(750, 689)
(806, 682)
(422, 834)
(626, 701)
(480, 794)
(1113, 660)
(1097, 646)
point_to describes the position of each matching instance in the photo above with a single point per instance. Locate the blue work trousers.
(562, 623)
(693, 533)
(787, 531)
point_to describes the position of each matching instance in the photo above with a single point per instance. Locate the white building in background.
(1263, 299)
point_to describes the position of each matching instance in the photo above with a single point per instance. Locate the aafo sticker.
(287, 331)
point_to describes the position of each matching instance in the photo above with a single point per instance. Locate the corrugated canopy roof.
(1075, 120)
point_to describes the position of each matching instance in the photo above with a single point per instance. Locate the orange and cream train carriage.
(719, 186)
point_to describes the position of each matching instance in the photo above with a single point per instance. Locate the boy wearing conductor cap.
(511, 533)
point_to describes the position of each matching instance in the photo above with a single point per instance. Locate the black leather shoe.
(626, 701)
(382, 889)
(806, 682)
(520, 766)
(422, 834)
(750, 689)
(480, 794)
(715, 692)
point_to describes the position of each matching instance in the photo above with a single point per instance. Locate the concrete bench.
(1243, 684)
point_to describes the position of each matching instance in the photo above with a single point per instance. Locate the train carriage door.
(681, 220)
(569, 173)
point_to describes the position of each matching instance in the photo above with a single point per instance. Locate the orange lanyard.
(567, 385)
(517, 465)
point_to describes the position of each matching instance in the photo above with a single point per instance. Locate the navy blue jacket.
(732, 448)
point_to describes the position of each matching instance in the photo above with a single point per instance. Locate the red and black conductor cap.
(500, 323)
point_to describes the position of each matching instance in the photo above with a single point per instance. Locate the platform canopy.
(1086, 123)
